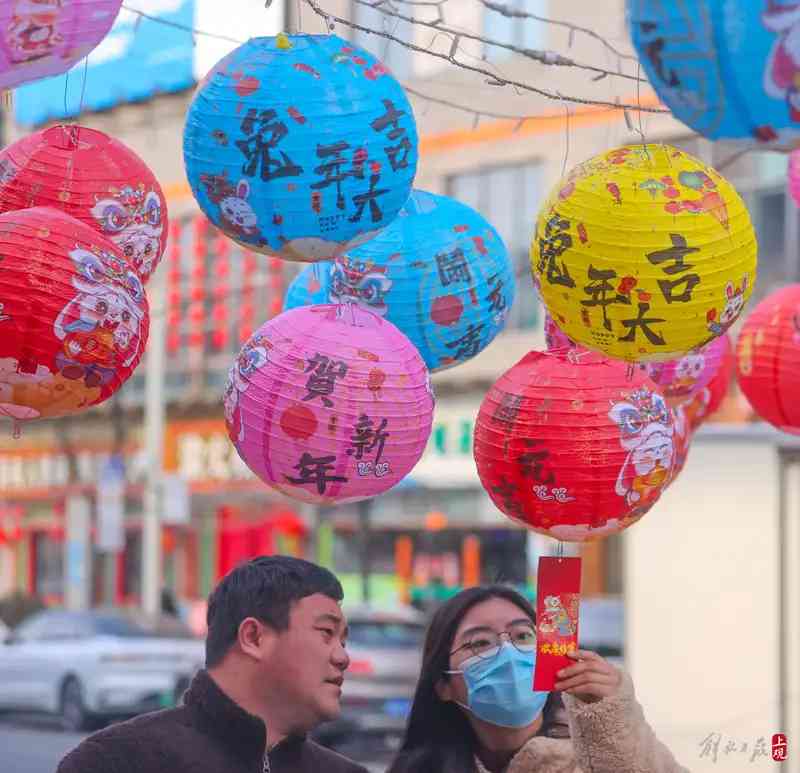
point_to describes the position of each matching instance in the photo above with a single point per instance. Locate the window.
(768, 211)
(521, 32)
(507, 196)
(394, 55)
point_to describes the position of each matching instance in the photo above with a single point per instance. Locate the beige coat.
(609, 736)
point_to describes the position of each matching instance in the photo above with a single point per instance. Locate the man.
(275, 661)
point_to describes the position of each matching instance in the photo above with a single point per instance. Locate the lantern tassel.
(16, 432)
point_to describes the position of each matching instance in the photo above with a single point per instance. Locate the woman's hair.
(439, 738)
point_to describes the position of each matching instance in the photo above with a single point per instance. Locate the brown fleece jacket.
(208, 734)
(609, 736)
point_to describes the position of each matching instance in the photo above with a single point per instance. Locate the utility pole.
(154, 414)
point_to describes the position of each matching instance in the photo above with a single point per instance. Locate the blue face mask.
(499, 689)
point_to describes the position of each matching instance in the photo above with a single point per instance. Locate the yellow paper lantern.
(644, 253)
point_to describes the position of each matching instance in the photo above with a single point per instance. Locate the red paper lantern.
(94, 178)
(574, 447)
(768, 359)
(73, 315)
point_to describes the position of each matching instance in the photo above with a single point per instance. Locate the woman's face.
(495, 614)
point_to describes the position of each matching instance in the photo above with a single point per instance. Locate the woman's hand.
(590, 679)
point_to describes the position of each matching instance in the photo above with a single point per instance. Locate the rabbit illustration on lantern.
(33, 31)
(101, 326)
(734, 303)
(133, 218)
(782, 75)
(238, 217)
(646, 433)
(252, 357)
(357, 281)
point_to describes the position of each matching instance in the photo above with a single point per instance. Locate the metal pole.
(364, 513)
(154, 445)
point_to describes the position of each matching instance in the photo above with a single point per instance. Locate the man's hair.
(264, 588)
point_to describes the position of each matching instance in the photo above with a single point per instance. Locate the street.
(35, 745)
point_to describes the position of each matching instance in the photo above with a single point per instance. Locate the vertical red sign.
(558, 588)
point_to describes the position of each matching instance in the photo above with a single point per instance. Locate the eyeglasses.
(486, 643)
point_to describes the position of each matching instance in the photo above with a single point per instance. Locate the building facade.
(709, 577)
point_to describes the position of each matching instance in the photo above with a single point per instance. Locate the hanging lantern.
(300, 146)
(709, 400)
(40, 38)
(73, 315)
(94, 178)
(683, 378)
(329, 404)
(644, 253)
(768, 359)
(728, 69)
(573, 447)
(439, 272)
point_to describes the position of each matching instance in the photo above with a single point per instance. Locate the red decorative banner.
(557, 599)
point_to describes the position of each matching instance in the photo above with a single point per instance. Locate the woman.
(475, 712)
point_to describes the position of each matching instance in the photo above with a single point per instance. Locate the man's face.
(310, 659)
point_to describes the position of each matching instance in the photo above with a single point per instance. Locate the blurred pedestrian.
(474, 710)
(275, 661)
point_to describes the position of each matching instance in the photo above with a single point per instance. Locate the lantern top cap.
(283, 41)
(71, 137)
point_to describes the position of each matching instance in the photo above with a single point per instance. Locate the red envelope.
(557, 599)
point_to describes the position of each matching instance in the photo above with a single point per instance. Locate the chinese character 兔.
(322, 379)
(453, 267)
(365, 438)
(602, 292)
(469, 344)
(315, 470)
(332, 169)
(361, 200)
(392, 118)
(555, 242)
(263, 132)
(644, 323)
(710, 745)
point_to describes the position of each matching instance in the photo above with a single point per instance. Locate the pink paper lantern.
(40, 38)
(329, 404)
(682, 378)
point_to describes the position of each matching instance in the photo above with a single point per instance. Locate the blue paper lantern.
(440, 272)
(300, 146)
(729, 69)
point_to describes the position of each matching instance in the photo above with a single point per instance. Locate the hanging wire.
(492, 76)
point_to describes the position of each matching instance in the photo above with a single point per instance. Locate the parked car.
(87, 667)
(385, 648)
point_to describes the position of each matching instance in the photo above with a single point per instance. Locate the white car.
(91, 666)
